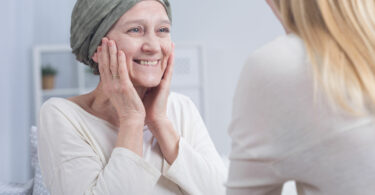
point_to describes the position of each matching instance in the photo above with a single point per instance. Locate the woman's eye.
(164, 30)
(134, 30)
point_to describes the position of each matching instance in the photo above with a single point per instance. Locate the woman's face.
(143, 34)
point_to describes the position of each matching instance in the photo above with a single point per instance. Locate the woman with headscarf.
(304, 105)
(129, 135)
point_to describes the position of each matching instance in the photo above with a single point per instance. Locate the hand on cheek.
(156, 99)
(156, 113)
(116, 83)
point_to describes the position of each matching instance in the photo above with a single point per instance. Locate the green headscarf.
(91, 21)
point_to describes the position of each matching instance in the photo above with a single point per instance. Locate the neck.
(141, 91)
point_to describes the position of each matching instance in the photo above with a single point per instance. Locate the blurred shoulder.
(284, 45)
(283, 61)
(282, 55)
(57, 108)
(55, 103)
(275, 77)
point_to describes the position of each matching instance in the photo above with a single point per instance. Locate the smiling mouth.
(147, 62)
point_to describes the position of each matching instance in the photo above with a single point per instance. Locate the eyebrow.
(144, 21)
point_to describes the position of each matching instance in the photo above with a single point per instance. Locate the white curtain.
(15, 88)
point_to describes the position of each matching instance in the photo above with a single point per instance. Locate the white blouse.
(282, 131)
(78, 156)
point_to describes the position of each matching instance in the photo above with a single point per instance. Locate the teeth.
(151, 63)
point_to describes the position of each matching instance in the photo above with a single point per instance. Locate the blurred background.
(225, 31)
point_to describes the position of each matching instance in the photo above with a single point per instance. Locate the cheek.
(129, 47)
(166, 47)
(123, 42)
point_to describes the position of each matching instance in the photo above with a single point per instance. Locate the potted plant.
(48, 76)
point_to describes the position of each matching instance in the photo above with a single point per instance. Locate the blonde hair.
(340, 39)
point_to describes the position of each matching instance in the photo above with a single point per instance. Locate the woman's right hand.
(117, 84)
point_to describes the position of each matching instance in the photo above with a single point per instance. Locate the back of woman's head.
(340, 40)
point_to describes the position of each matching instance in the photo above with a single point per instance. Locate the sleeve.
(260, 118)
(71, 166)
(198, 168)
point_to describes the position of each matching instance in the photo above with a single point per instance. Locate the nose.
(151, 44)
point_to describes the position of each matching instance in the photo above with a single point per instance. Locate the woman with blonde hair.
(304, 105)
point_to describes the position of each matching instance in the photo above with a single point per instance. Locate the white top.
(279, 132)
(78, 156)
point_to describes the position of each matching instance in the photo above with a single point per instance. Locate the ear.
(95, 57)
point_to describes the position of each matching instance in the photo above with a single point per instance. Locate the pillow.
(39, 188)
(16, 188)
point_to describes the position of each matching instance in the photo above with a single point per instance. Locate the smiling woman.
(130, 135)
(143, 34)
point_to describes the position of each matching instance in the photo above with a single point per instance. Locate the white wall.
(229, 30)
(5, 61)
(17, 23)
(52, 21)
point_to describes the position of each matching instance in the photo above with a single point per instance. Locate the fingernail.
(104, 41)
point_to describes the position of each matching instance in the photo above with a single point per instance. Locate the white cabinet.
(74, 78)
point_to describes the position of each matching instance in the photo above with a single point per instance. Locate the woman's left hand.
(155, 102)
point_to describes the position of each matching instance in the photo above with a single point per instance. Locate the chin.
(146, 75)
(146, 82)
